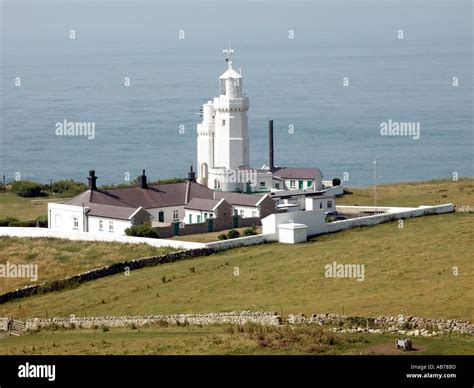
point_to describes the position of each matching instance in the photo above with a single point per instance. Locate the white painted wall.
(168, 214)
(118, 226)
(195, 213)
(108, 237)
(316, 219)
(61, 217)
(246, 211)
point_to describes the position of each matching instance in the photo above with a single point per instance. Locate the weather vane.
(229, 53)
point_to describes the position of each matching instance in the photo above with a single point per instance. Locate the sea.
(331, 74)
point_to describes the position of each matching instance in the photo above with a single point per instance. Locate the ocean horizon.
(331, 79)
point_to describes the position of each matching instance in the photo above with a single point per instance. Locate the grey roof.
(239, 198)
(107, 211)
(173, 194)
(297, 172)
(306, 193)
(202, 204)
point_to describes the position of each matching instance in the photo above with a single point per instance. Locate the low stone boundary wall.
(464, 209)
(101, 272)
(234, 318)
(416, 326)
(410, 326)
(392, 215)
(4, 324)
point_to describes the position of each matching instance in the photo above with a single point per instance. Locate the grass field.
(210, 237)
(432, 192)
(25, 209)
(407, 271)
(58, 258)
(217, 340)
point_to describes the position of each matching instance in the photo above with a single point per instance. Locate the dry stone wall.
(101, 272)
(235, 318)
(405, 325)
(409, 326)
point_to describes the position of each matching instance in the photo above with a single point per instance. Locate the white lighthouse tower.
(223, 142)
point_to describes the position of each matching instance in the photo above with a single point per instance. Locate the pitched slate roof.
(173, 194)
(107, 211)
(297, 172)
(239, 198)
(202, 204)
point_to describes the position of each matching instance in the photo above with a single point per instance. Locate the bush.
(6, 221)
(336, 182)
(23, 224)
(250, 231)
(27, 188)
(233, 234)
(68, 187)
(141, 230)
(42, 221)
(222, 237)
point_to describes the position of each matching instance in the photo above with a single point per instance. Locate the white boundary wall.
(315, 219)
(393, 214)
(44, 232)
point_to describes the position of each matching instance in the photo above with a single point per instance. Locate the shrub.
(42, 221)
(233, 234)
(24, 224)
(27, 188)
(222, 237)
(250, 231)
(336, 182)
(105, 328)
(6, 221)
(141, 230)
(68, 187)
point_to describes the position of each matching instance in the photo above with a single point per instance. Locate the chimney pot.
(92, 180)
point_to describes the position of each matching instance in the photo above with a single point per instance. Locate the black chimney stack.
(271, 163)
(191, 175)
(92, 180)
(142, 181)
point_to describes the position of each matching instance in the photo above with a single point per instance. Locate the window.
(223, 123)
(301, 185)
(242, 213)
(320, 205)
(101, 225)
(190, 218)
(262, 184)
(329, 204)
(198, 218)
(111, 226)
(161, 217)
(205, 216)
(254, 213)
(292, 183)
(211, 215)
(310, 183)
(175, 214)
(277, 185)
(75, 223)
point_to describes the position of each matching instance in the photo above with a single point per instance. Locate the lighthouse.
(223, 146)
(223, 136)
